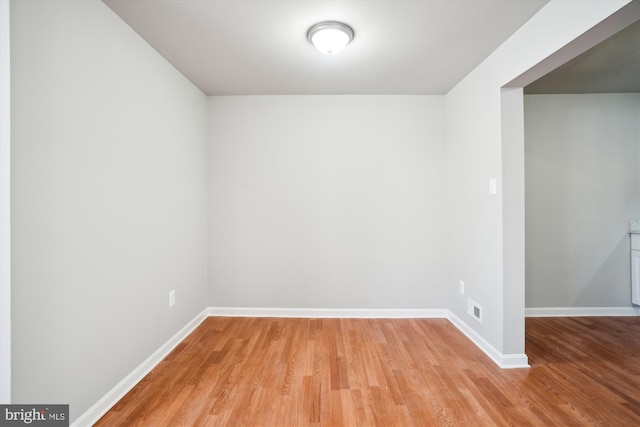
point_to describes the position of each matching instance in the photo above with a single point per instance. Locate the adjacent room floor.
(388, 372)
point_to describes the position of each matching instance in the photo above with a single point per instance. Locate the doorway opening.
(517, 202)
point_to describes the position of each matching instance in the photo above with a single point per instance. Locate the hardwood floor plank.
(388, 372)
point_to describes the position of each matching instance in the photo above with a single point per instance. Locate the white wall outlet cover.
(493, 186)
(462, 287)
(172, 298)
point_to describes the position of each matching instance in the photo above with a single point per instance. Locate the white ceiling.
(254, 47)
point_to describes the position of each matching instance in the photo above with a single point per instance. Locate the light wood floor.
(399, 372)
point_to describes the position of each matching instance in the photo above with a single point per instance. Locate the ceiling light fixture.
(330, 37)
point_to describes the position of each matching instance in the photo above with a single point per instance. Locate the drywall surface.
(582, 188)
(326, 201)
(5, 206)
(475, 234)
(108, 201)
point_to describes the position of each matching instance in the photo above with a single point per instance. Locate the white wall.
(5, 205)
(326, 201)
(474, 150)
(108, 201)
(582, 188)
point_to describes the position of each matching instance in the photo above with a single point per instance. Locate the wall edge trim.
(374, 313)
(5, 203)
(504, 361)
(95, 412)
(580, 311)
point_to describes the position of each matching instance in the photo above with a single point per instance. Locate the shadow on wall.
(599, 288)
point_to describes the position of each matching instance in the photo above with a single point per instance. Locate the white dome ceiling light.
(330, 37)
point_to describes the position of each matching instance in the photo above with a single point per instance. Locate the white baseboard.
(579, 311)
(505, 361)
(93, 414)
(373, 313)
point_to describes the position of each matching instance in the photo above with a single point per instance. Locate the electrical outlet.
(493, 187)
(172, 298)
(474, 310)
(462, 287)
